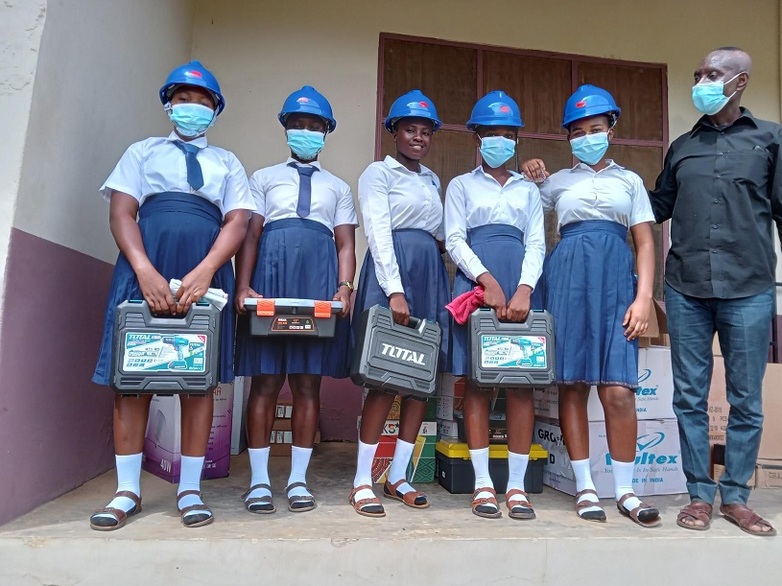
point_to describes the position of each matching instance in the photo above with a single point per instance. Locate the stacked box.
(162, 443)
(450, 399)
(422, 464)
(281, 438)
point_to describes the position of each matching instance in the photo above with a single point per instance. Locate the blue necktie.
(305, 189)
(194, 175)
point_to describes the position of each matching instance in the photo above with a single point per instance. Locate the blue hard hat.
(589, 100)
(308, 100)
(495, 109)
(413, 104)
(193, 73)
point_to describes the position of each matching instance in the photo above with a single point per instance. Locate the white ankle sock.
(300, 460)
(517, 469)
(584, 482)
(190, 479)
(398, 471)
(623, 482)
(259, 471)
(128, 478)
(366, 453)
(480, 465)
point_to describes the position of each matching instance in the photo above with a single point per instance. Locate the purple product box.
(162, 444)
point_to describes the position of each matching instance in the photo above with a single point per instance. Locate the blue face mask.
(590, 148)
(496, 150)
(191, 119)
(305, 144)
(709, 97)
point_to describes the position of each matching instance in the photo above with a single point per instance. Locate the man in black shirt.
(721, 187)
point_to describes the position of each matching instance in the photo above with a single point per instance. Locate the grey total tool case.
(292, 317)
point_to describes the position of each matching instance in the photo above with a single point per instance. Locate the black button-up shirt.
(721, 188)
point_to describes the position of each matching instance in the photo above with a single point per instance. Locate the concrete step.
(444, 544)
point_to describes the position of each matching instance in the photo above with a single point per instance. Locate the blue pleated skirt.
(178, 230)
(501, 250)
(589, 285)
(297, 258)
(424, 279)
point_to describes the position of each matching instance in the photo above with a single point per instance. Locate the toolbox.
(165, 355)
(455, 472)
(292, 317)
(397, 358)
(511, 354)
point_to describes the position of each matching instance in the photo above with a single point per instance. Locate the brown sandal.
(744, 517)
(199, 519)
(414, 498)
(120, 516)
(300, 504)
(695, 511)
(261, 505)
(487, 508)
(644, 514)
(594, 516)
(521, 509)
(370, 507)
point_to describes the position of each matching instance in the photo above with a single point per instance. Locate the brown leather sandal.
(261, 505)
(744, 518)
(414, 498)
(97, 519)
(487, 508)
(644, 514)
(205, 517)
(695, 511)
(369, 507)
(519, 509)
(594, 516)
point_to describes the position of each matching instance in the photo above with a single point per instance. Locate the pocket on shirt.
(749, 166)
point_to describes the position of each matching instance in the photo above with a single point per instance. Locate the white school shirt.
(392, 198)
(156, 165)
(581, 193)
(476, 199)
(275, 190)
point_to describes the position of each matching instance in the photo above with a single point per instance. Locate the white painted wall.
(262, 51)
(21, 27)
(100, 65)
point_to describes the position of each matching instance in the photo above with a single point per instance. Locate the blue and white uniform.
(495, 228)
(403, 219)
(588, 279)
(178, 225)
(297, 258)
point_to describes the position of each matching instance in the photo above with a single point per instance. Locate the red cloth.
(463, 305)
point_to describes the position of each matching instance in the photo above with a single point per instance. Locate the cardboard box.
(657, 332)
(653, 398)
(719, 409)
(422, 464)
(768, 474)
(658, 458)
(447, 429)
(238, 415)
(163, 440)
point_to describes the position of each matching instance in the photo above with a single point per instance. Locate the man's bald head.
(730, 59)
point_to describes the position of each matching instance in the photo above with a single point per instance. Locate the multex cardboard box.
(422, 463)
(658, 458)
(768, 474)
(653, 397)
(162, 444)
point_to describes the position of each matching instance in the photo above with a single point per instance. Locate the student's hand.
(636, 320)
(343, 295)
(243, 294)
(535, 170)
(398, 305)
(518, 307)
(156, 291)
(195, 284)
(493, 296)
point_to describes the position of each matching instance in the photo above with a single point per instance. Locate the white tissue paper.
(216, 297)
